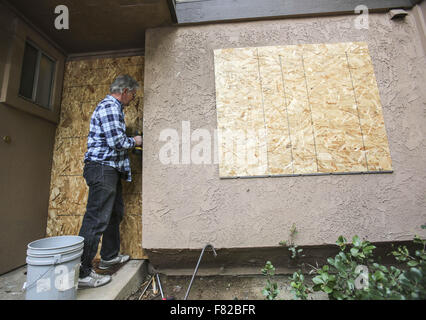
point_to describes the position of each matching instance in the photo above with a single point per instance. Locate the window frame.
(10, 86)
(33, 98)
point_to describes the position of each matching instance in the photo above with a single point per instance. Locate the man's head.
(124, 89)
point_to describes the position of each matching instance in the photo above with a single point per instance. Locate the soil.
(216, 288)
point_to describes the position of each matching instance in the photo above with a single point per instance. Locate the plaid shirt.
(107, 142)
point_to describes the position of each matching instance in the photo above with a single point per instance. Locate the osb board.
(86, 83)
(69, 194)
(65, 164)
(75, 114)
(299, 109)
(241, 110)
(131, 226)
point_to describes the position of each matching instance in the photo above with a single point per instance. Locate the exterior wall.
(25, 163)
(86, 83)
(186, 206)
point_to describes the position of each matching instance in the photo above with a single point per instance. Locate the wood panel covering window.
(299, 109)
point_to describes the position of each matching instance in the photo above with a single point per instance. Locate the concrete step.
(124, 282)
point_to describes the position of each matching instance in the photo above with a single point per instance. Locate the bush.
(354, 274)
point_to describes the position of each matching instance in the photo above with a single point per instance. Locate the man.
(106, 163)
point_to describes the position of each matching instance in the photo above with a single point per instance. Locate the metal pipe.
(196, 267)
(159, 285)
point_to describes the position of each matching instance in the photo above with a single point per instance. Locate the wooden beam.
(172, 8)
(220, 10)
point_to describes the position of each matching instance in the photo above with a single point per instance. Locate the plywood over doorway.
(86, 83)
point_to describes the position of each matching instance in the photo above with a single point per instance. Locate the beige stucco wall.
(186, 206)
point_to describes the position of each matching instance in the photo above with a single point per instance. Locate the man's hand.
(138, 140)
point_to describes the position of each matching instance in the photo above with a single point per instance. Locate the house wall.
(186, 206)
(86, 83)
(25, 162)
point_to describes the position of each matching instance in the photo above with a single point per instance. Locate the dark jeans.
(104, 212)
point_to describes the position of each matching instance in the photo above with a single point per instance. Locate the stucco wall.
(186, 206)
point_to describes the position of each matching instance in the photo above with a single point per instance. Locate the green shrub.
(355, 274)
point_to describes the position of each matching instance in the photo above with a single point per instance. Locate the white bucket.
(53, 268)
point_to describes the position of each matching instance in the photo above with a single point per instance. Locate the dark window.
(28, 71)
(37, 76)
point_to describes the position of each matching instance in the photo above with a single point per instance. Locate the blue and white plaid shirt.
(107, 142)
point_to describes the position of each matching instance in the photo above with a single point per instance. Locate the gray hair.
(123, 82)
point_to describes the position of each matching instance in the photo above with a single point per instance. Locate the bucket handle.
(56, 260)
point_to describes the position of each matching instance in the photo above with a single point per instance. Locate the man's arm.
(112, 127)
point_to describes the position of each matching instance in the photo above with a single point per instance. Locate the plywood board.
(131, 236)
(334, 114)
(279, 146)
(67, 156)
(321, 109)
(86, 83)
(241, 123)
(64, 225)
(298, 110)
(370, 112)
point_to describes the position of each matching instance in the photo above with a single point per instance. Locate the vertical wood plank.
(240, 117)
(370, 112)
(298, 110)
(337, 128)
(279, 144)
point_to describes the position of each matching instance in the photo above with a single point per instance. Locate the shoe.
(105, 264)
(93, 280)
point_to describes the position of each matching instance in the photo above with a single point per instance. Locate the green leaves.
(283, 243)
(269, 269)
(353, 273)
(380, 282)
(341, 242)
(356, 241)
(295, 253)
(415, 274)
(413, 263)
(298, 287)
(354, 252)
(270, 291)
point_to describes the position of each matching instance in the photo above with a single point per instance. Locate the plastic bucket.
(53, 266)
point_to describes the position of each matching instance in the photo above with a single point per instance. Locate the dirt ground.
(217, 288)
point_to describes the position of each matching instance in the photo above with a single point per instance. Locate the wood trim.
(172, 9)
(12, 74)
(107, 54)
(18, 14)
(238, 10)
(421, 25)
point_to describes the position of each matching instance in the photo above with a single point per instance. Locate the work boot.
(93, 280)
(105, 264)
